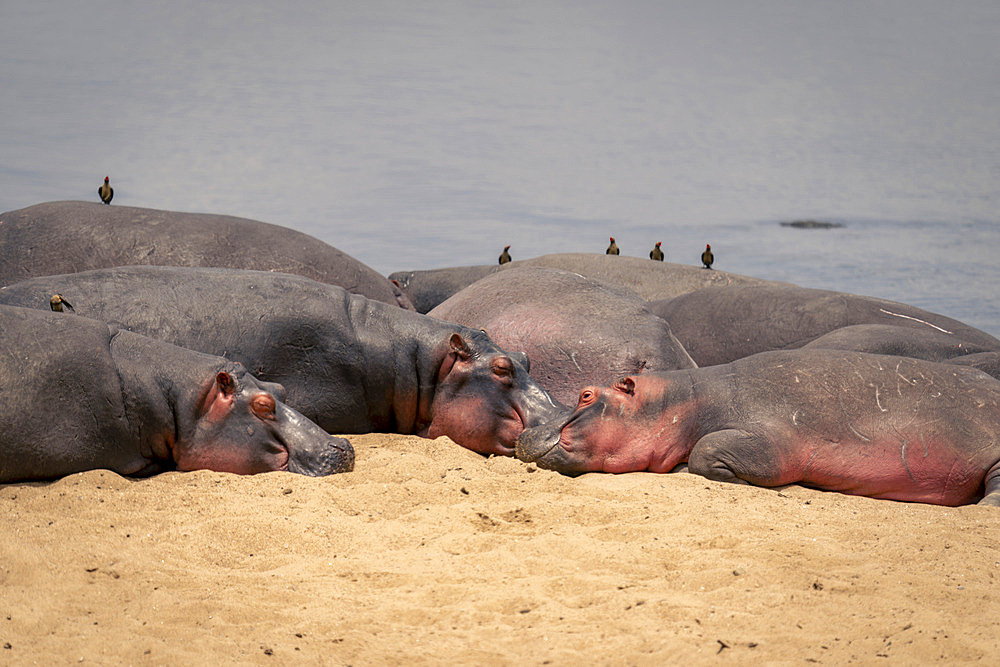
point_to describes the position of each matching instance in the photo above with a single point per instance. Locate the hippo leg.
(992, 483)
(732, 455)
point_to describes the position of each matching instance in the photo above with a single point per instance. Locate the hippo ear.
(522, 360)
(220, 398)
(225, 383)
(460, 347)
(626, 385)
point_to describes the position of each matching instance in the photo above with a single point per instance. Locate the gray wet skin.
(721, 324)
(70, 236)
(89, 396)
(351, 364)
(663, 280)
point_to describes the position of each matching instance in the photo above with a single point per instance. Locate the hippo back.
(575, 331)
(70, 236)
(650, 280)
(721, 324)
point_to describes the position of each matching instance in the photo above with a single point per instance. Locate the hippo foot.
(730, 455)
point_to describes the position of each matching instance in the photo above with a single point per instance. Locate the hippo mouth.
(538, 444)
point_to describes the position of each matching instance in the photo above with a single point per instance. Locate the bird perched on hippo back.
(106, 192)
(613, 248)
(650, 280)
(505, 256)
(575, 330)
(59, 304)
(656, 253)
(70, 236)
(707, 257)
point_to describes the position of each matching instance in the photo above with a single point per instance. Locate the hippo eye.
(263, 405)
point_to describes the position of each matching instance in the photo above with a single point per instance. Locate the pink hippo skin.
(863, 424)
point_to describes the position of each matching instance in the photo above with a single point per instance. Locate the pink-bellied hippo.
(864, 424)
(80, 395)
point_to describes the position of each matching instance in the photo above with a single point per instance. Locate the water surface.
(416, 135)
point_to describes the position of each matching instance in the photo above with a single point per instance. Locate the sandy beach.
(428, 553)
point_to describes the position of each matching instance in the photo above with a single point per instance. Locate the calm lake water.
(424, 134)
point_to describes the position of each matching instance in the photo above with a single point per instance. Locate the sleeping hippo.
(663, 280)
(902, 341)
(577, 331)
(864, 424)
(70, 236)
(350, 364)
(720, 324)
(79, 395)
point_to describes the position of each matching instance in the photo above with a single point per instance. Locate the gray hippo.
(987, 362)
(864, 424)
(575, 330)
(70, 236)
(718, 325)
(351, 364)
(79, 395)
(662, 280)
(919, 343)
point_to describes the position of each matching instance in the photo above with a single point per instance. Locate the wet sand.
(430, 554)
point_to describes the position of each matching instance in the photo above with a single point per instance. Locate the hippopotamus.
(719, 325)
(351, 364)
(902, 341)
(427, 289)
(80, 395)
(864, 424)
(575, 330)
(987, 362)
(70, 236)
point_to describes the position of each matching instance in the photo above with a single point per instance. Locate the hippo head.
(243, 426)
(484, 397)
(635, 424)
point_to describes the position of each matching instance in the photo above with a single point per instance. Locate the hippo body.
(987, 362)
(719, 325)
(71, 236)
(351, 364)
(427, 289)
(864, 424)
(80, 395)
(575, 330)
(901, 341)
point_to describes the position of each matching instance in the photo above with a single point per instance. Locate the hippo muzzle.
(336, 455)
(542, 445)
(311, 450)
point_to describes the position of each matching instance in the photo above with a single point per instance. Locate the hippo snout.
(534, 444)
(539, 408)
(333, 456)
